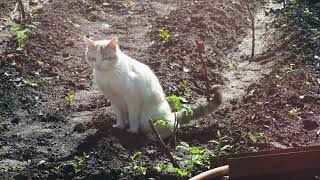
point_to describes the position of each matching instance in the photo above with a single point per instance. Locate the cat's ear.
(89, 43)
(113, 43)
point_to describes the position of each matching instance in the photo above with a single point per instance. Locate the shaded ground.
(39, 131)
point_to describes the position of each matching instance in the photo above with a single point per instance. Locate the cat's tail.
(206, 108)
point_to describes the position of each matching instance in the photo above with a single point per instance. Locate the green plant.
(294, 112)
(232, 65)
(69, 99)
(279, 80)
(259, 103)
(58, 168)
(291, 69)
(180, 172)
(293, 3)
(18, 168)
(128, 4)
(256, 137)
(307, 11)
(164, 34)
(311, 80)
(21, 32)
(221, 142)
(162, 168)
(187, 93)
(176, 103)
(40, 62)
(192, 156)
(79, 162)
(135, 167)
(28, 82)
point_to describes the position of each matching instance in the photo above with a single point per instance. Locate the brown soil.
(39, 130)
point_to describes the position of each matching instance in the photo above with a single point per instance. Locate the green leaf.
(175, 101)
(194, 150)
(136, 156)
(180, 172)
(161, 122)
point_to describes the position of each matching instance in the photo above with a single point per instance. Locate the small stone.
(33, 2)
(80, 128)
(105, 4)
(310, 125)
(278, 145)
(65, 55)
(15, 120)
(41, 162)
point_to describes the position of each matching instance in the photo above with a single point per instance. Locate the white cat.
(134, 90)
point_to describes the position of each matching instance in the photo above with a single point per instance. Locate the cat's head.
(102, 54)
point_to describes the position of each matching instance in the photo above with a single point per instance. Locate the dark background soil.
(36, 124)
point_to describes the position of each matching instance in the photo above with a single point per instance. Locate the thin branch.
(163, 146)
(22, 12)
(175, 131)
(200, 48)
(252, 28)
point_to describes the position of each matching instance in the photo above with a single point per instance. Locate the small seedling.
(279, 80)
(294, 112)
(180, 172)
(40, 62)
(18, 168)
(187, 93)
(221, 142)
(162, 168)
(135, 167)
(79, 162)
(58, 168)
(256, 137)
(265, 138)
(128, 4)
(22, 33)
(231, 65)
(259, 103)
(291, 70)
(193, 156)
(311, 80)
(29, 82)
(284, 25)
(164, 34)
(307, 11)
(69, 99)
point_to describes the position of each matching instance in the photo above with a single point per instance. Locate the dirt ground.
(272, 102)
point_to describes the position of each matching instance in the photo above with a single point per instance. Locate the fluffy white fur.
(134, 90)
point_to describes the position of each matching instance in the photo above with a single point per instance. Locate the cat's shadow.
(105, 130)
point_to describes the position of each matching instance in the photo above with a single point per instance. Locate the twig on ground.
(252, 28)
(200, 48)
(164, 148)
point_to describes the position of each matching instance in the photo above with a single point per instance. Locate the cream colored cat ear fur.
(89, 43)
(113, 43)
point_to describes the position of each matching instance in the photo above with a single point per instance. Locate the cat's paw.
(119, 126)
(131, 130)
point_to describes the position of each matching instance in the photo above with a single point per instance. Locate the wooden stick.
(22, 12)
(220, 171)
(200, 48)
(252, 29)
(164, 148)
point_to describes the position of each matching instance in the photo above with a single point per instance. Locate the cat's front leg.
(120, 117)
(134, 114)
